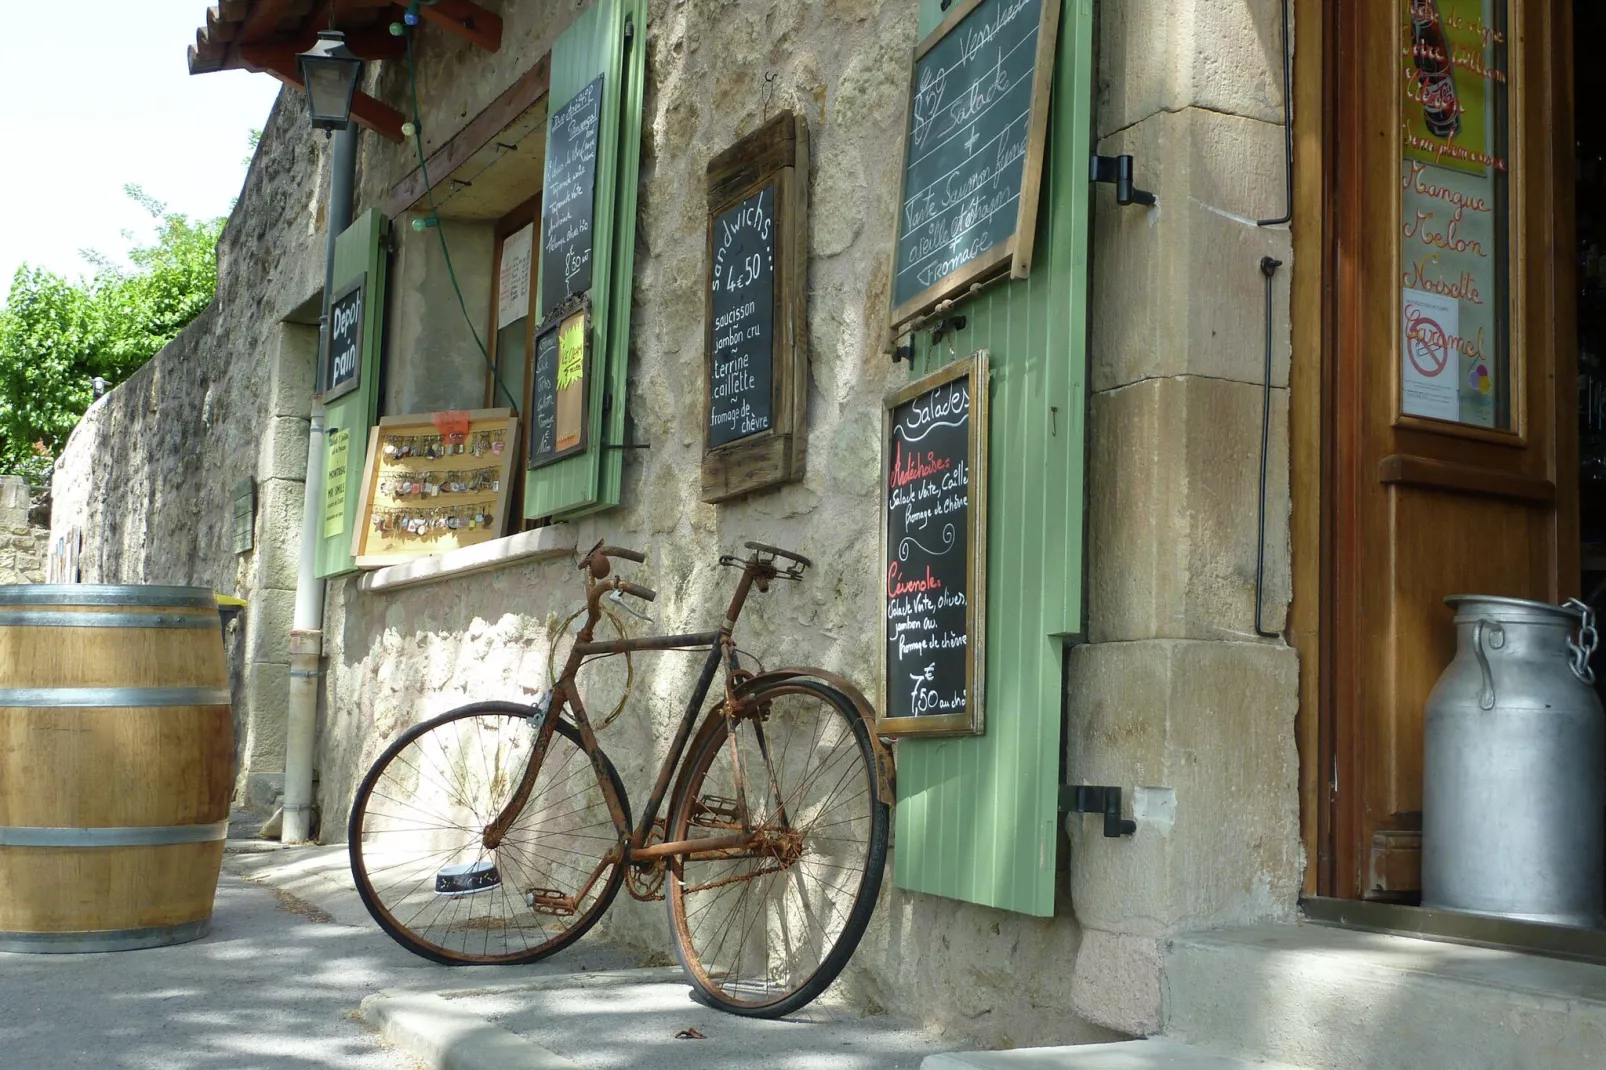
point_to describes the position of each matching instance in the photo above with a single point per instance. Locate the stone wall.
(148, 474)
(1175, 695)
(24, 544)
(1176, 698)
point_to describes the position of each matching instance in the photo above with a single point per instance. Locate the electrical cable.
(434, 213)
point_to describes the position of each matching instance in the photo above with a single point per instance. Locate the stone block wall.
(1174, 694)
(1175, 697)
(24, 545)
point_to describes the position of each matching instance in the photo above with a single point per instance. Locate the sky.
(101, 98)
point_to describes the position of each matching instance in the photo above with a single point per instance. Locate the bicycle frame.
(635, 850)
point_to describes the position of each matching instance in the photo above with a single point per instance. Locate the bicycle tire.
(455, 787)
(792, 976)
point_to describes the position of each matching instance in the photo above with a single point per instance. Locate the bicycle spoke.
(418, 850)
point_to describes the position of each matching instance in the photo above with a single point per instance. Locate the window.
(513, 330)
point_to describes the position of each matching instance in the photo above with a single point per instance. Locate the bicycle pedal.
(549, 901)
(715, 811)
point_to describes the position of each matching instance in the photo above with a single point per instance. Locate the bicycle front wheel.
(417, 837)
(763, 930)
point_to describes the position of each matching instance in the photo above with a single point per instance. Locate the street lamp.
(330, 72)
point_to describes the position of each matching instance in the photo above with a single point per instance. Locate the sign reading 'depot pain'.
(569, 197)
(935, 560)
(344, 367)
(973, 150)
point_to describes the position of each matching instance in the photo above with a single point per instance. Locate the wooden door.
(1452, 377)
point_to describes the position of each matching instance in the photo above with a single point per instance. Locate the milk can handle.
(1497, 639)
(1584, 648)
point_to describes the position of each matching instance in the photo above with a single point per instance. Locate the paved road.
(292, 954)
(276, 986)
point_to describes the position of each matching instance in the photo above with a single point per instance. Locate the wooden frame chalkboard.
(569, 191)
(560, 426)
(934, 539)
(755, 367)
(953, 114)
(345, 345)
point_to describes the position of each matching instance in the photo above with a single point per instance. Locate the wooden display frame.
(777, 153)
(1014, 253)
(373, 548)
(976, 369)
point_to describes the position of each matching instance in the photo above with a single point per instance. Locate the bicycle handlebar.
(627, 555)
(646, 594)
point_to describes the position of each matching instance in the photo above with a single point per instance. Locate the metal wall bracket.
(1088, 799)
(1117, 170)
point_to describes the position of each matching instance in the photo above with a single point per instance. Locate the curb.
(448, 1038)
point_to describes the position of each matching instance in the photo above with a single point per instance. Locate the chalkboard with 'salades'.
(568, 197)
(756, 365)
(934, 525)
(973, 150)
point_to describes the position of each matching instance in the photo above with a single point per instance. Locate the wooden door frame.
(1328, 823)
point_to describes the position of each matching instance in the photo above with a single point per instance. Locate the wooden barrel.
(116, 766)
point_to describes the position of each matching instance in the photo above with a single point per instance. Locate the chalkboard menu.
(755, 349)
(343, 370)
(569, 197)
(935, 566)
(973, 150)
(743, 298)
(559, 388)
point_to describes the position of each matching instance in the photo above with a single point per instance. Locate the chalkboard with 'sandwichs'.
(935, 567)
(973, 150)
(741, 375)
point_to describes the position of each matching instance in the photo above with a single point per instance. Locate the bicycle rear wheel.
(763, 931)
(417, 839)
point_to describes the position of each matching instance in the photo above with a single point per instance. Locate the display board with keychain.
(434, 482)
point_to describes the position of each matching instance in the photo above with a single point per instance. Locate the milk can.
(1514, 776)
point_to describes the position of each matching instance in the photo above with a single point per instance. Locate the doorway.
(1451, 426)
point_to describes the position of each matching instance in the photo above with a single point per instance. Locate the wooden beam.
(280, 62)
(263, 21)
(514, 101)
(467, 20)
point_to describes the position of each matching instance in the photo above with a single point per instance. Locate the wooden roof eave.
(266, 35)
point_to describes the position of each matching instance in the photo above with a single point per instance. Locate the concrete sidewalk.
(591, 1007)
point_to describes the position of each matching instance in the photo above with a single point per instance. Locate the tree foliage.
(57, 336)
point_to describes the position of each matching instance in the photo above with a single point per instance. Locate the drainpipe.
(306, 630)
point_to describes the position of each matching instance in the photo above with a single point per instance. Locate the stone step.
(1338, 999)
(1128, 1055)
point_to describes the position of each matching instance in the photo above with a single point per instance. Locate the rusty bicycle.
(500, 832)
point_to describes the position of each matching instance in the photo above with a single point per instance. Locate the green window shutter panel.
(358, 249)
(609, 38)
(977, 816)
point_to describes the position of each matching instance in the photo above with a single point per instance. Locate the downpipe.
(306, 630)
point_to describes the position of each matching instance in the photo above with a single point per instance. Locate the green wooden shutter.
(359, 249)
(977, 816)
(609, 38)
